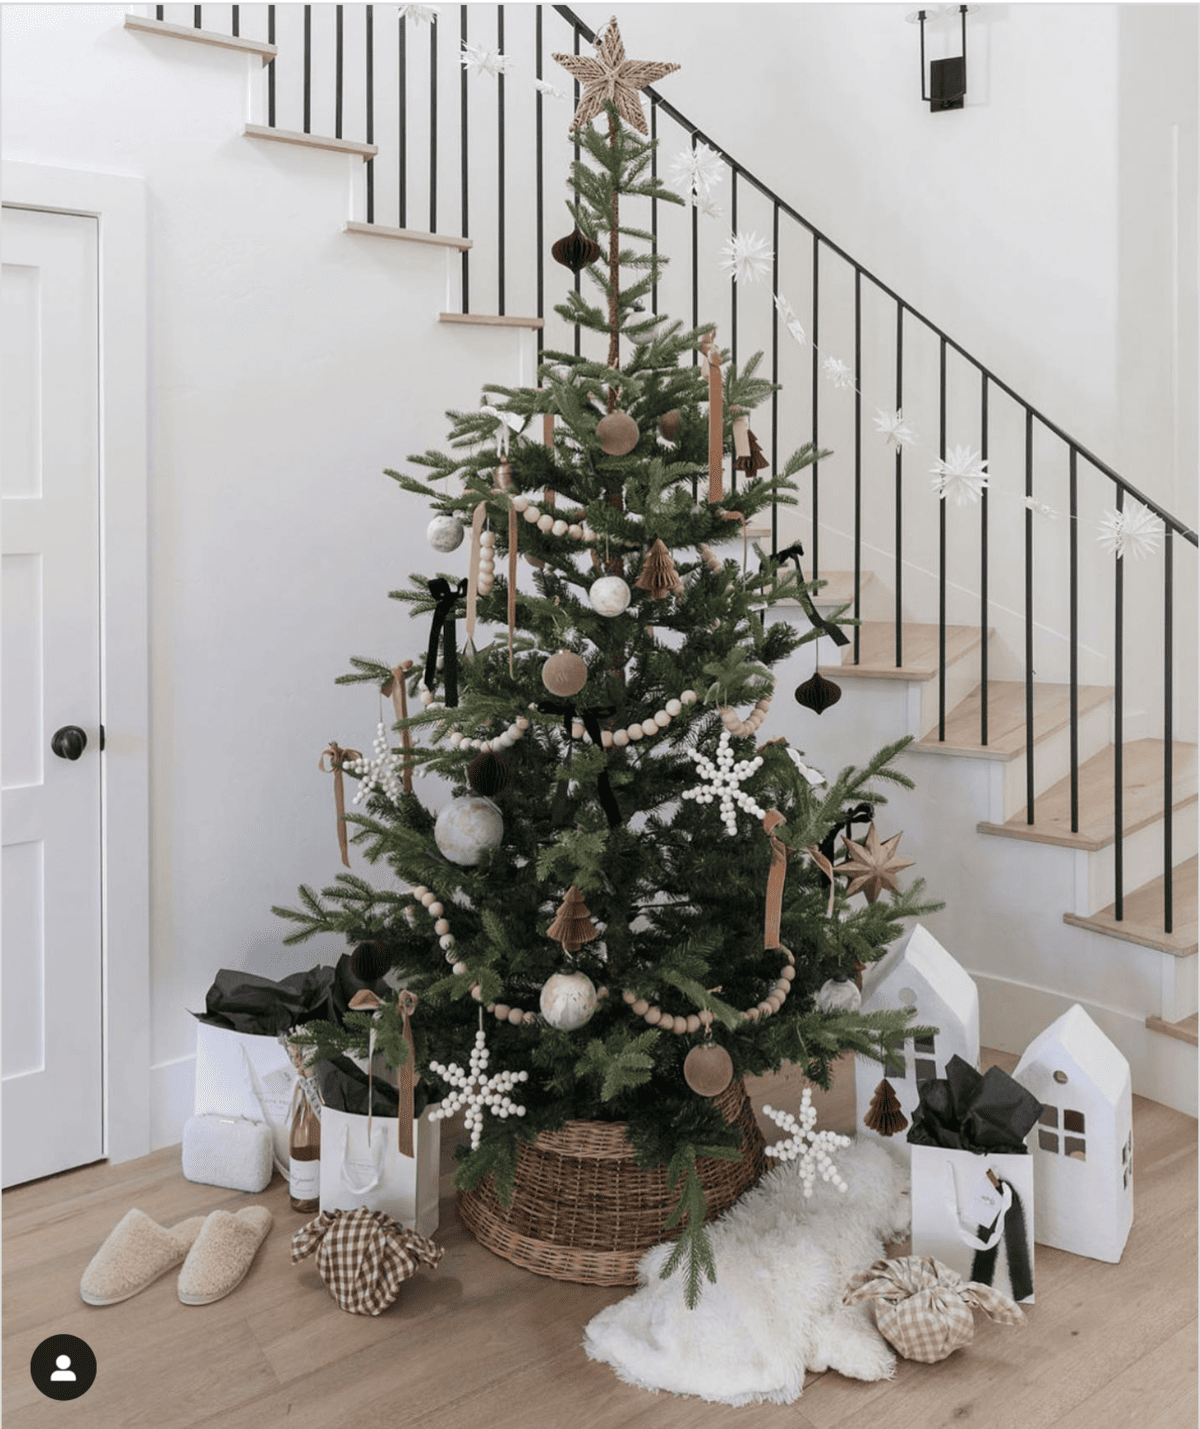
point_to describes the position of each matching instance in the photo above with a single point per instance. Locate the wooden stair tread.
(877, 650)
(202, 37)
(1185, 1031)
(491, 320)
(410, 235)
(1006, 718)
(310, 141)
(1143, 918)
(1141, 803)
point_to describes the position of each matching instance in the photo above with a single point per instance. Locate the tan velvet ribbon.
(338, 757)
(548, 441)
(827, 869)
(779, 859)
(398, 689)
(406, 1005)
(512, 582)
(477, 521)
(716, 419)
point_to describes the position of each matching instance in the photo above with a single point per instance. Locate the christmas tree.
(580, 893)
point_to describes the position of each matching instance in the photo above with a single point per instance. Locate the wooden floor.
(478, 1344)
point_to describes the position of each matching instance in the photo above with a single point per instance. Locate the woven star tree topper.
(609, 75)
(811, 1148)
(721, 778)
(476, 1091)
(872, 865)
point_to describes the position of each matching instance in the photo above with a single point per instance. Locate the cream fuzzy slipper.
(136, 1253)
(222, 1254)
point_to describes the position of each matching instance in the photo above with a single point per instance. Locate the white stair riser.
(962, 676)
(1141, 982)
(1095, 881)
(1051, 762)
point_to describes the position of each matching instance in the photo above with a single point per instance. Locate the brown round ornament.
(668, 425)
(564, 674)
(369, 961)
(617, 434)
(489, 774)
(708, 1069)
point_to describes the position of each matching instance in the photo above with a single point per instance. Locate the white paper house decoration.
(919, 974)
(1083, 1147)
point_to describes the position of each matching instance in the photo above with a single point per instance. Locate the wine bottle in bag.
(304, 1146)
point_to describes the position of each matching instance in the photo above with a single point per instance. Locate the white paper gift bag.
(244, 1074)
(361, 1165)
(976, 1227)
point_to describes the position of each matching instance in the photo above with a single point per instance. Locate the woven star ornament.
(609, 75)
(872, 865)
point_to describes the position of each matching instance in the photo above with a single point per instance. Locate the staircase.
(1056, 771)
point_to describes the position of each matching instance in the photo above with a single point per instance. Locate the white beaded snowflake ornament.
(476, 1091)
(811, 1148)
(383, 772)
(721, 779)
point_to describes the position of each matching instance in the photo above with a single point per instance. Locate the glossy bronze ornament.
(575, 251)
(818, 693)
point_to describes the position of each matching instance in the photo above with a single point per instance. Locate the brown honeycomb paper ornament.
(573, 926)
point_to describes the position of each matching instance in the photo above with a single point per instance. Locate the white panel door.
(50, 998)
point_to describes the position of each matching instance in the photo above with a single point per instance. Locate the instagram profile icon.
(63, 1367)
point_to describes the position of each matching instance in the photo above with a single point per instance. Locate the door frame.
(118, 203)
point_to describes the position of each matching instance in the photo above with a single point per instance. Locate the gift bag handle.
(968, 1237)
(375, 1180)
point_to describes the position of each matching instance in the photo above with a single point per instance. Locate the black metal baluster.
(539, 179)
(733, 311)
(1028, 618)
(578, 150)
(308, 69)
(695, 268)
(158, 12)
(899, 563)
(942, 547)
(370, 111)
(775, 370)
(1073, 619)
(1119, 729)
(337, 64)
(500, 165)
(463, 189)
(196, 17)
(1168, 730)
(816, 538)
(237, 21)
(270, 69)
(654, 201)
(402, 124)
(433, 127)
(857, 454)
(983, 568)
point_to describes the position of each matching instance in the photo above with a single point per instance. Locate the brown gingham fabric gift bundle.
(363, 1256)
(923, 1308)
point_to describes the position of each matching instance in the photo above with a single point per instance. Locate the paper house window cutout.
(1082, 1146)
(919, 974)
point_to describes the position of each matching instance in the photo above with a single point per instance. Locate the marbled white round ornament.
(444, 533)
(466, 828)
(609, 596)
(568, 1000)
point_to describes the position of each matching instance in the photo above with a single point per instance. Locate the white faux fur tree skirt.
(776, 1309)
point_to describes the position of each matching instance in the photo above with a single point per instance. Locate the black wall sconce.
(947, 77)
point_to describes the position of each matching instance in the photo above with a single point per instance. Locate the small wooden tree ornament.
(573, 925)
(884, 1115)
(658, 577)
(754, 460)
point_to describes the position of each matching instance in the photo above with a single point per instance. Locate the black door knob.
(68, 742)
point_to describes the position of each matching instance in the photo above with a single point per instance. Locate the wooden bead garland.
(517, 1016)
(549, 524)
(693, 1022)
(441, 925)
(505, 740)
(743, 728)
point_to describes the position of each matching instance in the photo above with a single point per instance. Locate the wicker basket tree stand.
(583, 1211)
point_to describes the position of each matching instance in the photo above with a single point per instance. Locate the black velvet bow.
(968, 1112)
(835, 632)
(591, 718)
(859, 814)
(447, 597)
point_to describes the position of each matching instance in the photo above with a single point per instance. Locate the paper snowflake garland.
(551, 91)
(811, 1148)
(419, 14)
(747, 258)
(837, 372)
(962, 475)
(894, 428)
(608, 75)
(699, 171)
(1135, 532)
(476, 1091)
(813, 776)
(382, 773)
(792, 322)
(721, 779)
(1039, 508)
(483, 59)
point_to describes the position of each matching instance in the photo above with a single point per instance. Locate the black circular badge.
(63, 1367)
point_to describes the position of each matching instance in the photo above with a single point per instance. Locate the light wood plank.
(479, 1340)
(310, 141)
(1143, 915)
(409, 235)
(1142, 793)
(490, 320)
(919, 648)
(1185, 1031)
(1006, 719)
(202, 37)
